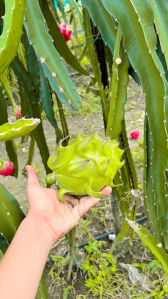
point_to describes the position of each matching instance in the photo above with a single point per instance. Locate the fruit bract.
(86, 165)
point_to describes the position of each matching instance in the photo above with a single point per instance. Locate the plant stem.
(72, 243)
(31, 150)
(115, 211)
(63, 121)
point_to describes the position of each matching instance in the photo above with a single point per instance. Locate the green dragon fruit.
(86, 165)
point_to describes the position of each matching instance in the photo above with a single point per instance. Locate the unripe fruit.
(85, 165)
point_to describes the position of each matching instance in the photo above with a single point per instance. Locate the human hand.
(56, 216)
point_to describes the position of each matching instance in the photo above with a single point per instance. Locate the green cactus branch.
(12, 31)
(32, 101)
(160, 11)
(8, 90)
(46, 52)
(47, 101)
(154, 88)
(114, 84)
(10, 214)
(59, 41)
(151, 242)
(55, 87)
(102, 20)
(63, 121)
(10, 145)
(95, 63)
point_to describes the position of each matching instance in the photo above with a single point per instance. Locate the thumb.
(87, 202)
(31, 175)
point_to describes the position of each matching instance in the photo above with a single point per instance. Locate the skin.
(46, 222)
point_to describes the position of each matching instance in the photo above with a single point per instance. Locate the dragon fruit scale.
(85, 165)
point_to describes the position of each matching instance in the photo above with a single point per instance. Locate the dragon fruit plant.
(86, 165)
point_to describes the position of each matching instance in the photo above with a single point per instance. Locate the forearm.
(22, 265)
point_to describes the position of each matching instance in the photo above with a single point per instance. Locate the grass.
(99, 274)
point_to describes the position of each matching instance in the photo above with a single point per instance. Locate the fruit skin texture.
(6, 168)
(86, 165)
(66, 31)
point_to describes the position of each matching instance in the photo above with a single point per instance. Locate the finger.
(106, 190)
(31, 175)
(87, 202)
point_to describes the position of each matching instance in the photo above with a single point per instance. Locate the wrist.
(40, 228)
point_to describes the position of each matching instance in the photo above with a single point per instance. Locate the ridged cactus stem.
(10, 145)
(12, 31)
(72, 242)
(47, 54)
(128, 158)
(63, 122)
(116, 212)
(136, 36)
(116, 123)
(99, 46)
(114, 83)
(58, 39)
(95, 63)
(31, 150)
(102, 20)
(6, 85)
(33, 107)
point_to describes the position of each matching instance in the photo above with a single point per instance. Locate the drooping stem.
(72, 243)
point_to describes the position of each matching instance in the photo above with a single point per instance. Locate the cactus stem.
(72, 242)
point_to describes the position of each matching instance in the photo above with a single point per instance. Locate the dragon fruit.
(6, 168)
(65, 31)
(85, 165)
